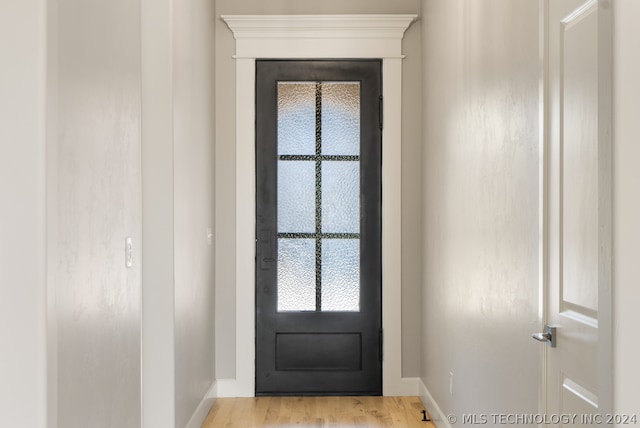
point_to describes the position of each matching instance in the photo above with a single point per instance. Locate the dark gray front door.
(318, 254)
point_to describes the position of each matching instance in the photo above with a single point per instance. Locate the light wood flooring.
(306, 412)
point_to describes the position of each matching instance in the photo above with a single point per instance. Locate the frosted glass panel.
(296, 118)
(341, 118)
(341, 275)
(296, 196)
(296, 275)
(340, 197)
(304, 147)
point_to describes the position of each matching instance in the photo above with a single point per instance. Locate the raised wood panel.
(579, 401)
(319, 351)
(579, 161)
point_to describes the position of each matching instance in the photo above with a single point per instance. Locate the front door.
(318, 220)
(579, 216)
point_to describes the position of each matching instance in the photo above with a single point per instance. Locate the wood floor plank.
(317, 412)
(273, 410)
(219, 414)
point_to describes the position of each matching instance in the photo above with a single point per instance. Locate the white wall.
(158, 269)
(626, 225)
(95, 206)
(177, 203)
(70, 111)
(225, 168)
(193, 132)
(90, 179)
(22, 214)
(93, 184)
(480, 206)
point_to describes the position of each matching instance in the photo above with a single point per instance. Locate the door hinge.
(380, 344)
(380, 114)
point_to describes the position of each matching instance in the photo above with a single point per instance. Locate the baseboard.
(437, 416)
(231, 388)
(401, 387)
(203, 408)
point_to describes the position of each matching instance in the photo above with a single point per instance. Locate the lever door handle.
(266, 249)
(549, 336)
(542, 337)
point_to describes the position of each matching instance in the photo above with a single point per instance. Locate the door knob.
(549, 336)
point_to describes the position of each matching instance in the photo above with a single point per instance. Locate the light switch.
(128, 252)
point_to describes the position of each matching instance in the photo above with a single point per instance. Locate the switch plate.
(128, 252)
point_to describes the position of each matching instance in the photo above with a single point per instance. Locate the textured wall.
(98, 205)
(22, 214)
(193, 130)
(480, 289)
(225, 167)
(177, 201)
(158, 228)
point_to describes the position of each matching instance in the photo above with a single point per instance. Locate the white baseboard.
(203, 408)
(231, 388)
(437, 416)
(401, 387)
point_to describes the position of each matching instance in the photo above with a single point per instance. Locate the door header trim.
(320, 36)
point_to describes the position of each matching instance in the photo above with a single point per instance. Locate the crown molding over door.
(318, 37)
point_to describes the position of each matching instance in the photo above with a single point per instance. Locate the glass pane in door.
(296, 196)
(296, 118)
(341, 197)
(341, 275)
(296, 275)
(318, 196)
(341, 118)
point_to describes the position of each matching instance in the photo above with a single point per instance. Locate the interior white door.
(578, 375)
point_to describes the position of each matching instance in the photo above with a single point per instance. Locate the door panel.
(318, 275)
(578, 202)
(579, 167)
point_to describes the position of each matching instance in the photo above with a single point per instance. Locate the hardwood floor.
(306, 412)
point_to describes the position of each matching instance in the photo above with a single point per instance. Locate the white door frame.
(317, 37)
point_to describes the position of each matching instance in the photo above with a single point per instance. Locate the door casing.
(305, 37)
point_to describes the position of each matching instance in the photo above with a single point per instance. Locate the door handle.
(549, 336)
(266, 249)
